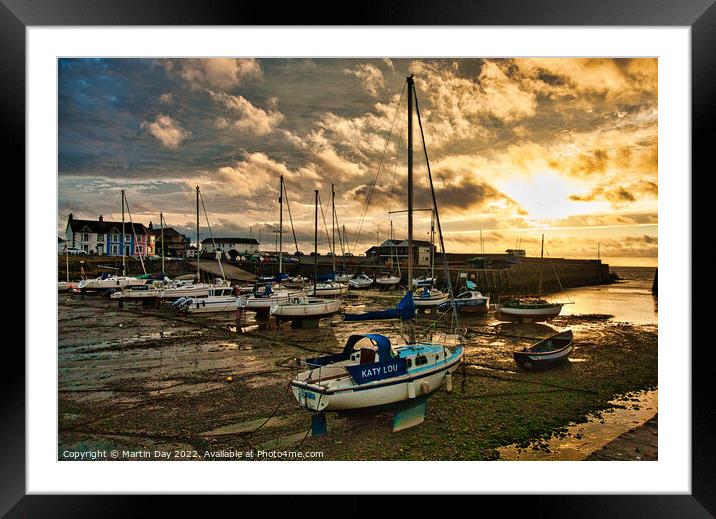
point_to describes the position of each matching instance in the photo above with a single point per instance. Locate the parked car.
(298, 253)
(315, 254)
(75, 250)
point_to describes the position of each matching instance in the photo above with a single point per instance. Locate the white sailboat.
(261, 300)
(370, 371)
(327, 288)
(195, 288)
(360, 281)
(529, 309)
(390, 279)
(219, 299)
(304, 307)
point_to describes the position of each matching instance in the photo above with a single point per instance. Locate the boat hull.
(295, 312)
(528, 315)
(327, 291)
(477, 307)
(533, 362)
(375, 394)
(206, 305)
(110, 283)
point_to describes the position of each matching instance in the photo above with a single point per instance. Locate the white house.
(240, 245)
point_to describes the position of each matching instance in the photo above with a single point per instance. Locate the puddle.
(584, 438)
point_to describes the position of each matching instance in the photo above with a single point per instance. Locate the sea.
(628, 300)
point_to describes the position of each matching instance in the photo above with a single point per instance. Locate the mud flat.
(148, 380)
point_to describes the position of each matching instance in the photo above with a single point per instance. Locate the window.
(127, 237)
(85, 236)
(115, 237)
(410, 363)
(420, 360)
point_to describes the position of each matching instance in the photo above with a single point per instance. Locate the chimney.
(150, 225)
(101, 219)
(70, 217)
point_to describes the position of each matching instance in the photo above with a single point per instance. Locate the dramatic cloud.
(225, 73)
(371, 77)
(517, 147)
(167, 131)
(250, 118)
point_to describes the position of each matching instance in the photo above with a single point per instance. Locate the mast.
(198, 255)
(161, 226)
(432, 247)
(280, 227)
(333, 224)
(409, 79)
(315, 248)
(124, 260)
(344, 252)
(541, 268)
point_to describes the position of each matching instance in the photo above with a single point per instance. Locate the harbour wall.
(521, 277)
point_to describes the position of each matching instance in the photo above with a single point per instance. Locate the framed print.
(421, 250)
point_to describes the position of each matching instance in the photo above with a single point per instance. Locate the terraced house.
(105, 238)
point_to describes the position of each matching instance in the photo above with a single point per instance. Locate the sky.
(518, 148)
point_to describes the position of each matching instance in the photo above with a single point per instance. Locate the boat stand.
(305, 323)
(318, 424)
(411, 415)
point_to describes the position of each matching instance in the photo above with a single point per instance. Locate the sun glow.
(545, 195)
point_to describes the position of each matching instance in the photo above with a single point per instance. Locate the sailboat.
(426, 295)
(181, 289)
(529, 309)
(370, 371)
(302, 306)
(263, 297)
(390, 279)
(331, 286)
(343, 276)
(110, 282)
(360, 281)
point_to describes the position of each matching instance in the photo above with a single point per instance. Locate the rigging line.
(397, 159)
(134, 231)
(208, 225)
(435, 208)
(377, 171)
(290, 218)
(325, 226)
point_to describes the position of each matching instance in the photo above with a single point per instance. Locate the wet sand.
(192, 387)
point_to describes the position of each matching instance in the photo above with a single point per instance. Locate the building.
(240, 245)
(105, 238)
(390, 251)
(60, 245)
(175, 243)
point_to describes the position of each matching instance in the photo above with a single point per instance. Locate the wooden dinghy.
(547, 352)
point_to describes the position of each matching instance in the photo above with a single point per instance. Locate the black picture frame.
(699, 15)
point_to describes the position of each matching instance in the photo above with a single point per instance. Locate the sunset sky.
(518, 147)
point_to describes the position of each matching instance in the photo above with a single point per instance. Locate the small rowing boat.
(547, 352)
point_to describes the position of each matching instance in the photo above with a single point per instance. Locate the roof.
(104, 227)
(252, 241)
(60, 240)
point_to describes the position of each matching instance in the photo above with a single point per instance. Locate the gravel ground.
(150, 383)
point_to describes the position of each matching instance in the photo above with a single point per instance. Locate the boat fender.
(448, 382)
(411, 389)
(424, 388)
